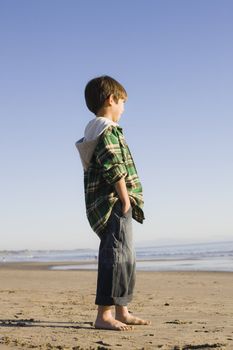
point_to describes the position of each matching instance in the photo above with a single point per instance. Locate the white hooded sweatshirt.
(88, 143)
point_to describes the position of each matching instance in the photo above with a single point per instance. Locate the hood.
(88, 143)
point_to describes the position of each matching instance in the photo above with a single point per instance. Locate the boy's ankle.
(121, 310)
(104, 312)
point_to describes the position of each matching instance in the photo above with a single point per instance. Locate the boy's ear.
(111, 100)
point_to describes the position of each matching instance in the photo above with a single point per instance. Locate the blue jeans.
(116, 265)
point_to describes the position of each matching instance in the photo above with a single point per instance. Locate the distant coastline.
(208, 256)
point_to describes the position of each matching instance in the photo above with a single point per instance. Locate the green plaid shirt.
(110, 162)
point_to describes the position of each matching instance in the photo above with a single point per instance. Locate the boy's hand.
(125, 208)
(122, 192)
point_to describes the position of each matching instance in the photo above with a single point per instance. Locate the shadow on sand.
(45, 324)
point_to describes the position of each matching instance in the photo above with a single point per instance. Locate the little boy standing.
(113, 196)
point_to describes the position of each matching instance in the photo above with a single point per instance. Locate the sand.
(44, 309)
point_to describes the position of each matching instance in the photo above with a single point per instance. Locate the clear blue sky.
(174, 58)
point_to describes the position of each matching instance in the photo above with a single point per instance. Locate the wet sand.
(45, 309)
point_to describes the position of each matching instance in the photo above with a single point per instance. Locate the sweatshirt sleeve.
(109, 156)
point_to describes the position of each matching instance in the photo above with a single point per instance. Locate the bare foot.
(132, 320)
(123, 315)
(111, 324)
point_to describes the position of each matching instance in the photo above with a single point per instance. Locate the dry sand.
(44, 309)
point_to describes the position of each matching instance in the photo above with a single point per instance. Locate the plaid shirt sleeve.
(109, 156)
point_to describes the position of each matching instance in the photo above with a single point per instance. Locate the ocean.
(208, 256)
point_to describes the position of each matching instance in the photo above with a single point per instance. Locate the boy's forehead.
(122, 99)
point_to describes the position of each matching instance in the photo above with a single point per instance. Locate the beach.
(48, 309)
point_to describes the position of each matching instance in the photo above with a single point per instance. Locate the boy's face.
(117, 109)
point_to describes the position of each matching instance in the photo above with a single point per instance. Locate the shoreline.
(54, 266)
(48, 309)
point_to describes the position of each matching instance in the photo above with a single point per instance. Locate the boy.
(113, 195)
